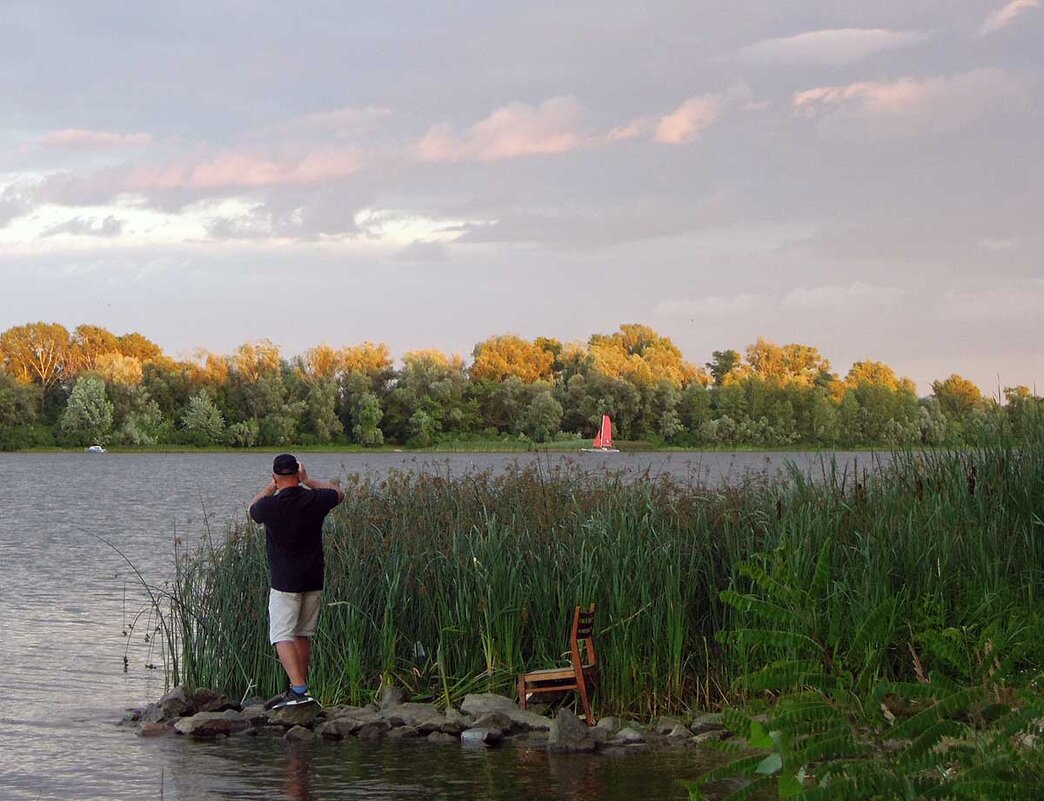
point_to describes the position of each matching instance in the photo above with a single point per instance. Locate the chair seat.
(553, 673)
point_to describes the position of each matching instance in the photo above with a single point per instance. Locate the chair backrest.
(583, 630)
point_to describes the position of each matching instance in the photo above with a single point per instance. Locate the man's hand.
(268, 489)
(302, 474)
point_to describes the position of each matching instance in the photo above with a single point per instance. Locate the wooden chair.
(581, 675)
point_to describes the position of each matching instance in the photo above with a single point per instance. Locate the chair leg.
(582, 689)
(522, 692)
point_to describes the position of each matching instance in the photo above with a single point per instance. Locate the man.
(293, 508)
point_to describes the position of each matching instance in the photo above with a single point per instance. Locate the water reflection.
(297, 773)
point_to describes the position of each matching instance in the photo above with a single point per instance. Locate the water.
(69, 609)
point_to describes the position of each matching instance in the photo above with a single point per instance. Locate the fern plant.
(839, 731)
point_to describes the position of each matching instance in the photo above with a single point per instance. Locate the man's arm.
(312, 483)
(269, 490)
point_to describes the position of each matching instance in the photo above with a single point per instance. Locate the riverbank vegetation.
(926, 569)
(69, 389)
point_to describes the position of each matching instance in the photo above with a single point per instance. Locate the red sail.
(606, 434)
(598, 437)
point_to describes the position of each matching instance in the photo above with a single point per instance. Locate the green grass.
(449, 584)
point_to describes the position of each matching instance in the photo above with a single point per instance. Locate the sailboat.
(603, 441)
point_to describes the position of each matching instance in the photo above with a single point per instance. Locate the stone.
(211, 724)
(203, 697)
(610, 724)
(392, 696)
(219, 704)
(713, 734)
(496, 722)
(568, 733)
(475, 705)
(706, 722)
(479, 736)
(290, 716)
(628, 736)
(665, 725)
(524, 720)
(374, 731)
(409, 714)
(336, 729)
(679, 732)
(299, 734)
(174, 704)
(155, 729)
(131, 715)
(256, 714)
(403, 733)
(529, 740)
(441, 738)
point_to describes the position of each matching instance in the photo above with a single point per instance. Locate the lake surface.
(68, 603)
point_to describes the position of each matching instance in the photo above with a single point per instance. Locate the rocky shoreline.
(483, 720)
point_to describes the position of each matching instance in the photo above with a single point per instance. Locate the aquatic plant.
(446, 584)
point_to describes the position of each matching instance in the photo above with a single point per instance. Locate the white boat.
(603, 441)
(95, 449)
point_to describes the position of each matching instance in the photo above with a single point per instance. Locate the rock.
(476, 705)
(255, 713)
(299, 734)
(495, 722)
(253, 700)
(403, 732)
(713, 734)
(212, 724)
(290, 716)
(531, 740)
(219, 704)
(391, 697)
(336, 729)
(524, 720)
(131, 715)
(679, 732)
(665, 725)
(372, 732)
(628, 736)
(441, 738)
(610, 724)
(705, 722)
(175, 704)
(203, 697)
(154, 729)
(479, 736)
(409, 714)
(569, 733)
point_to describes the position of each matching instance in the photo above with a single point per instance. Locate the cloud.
(78, 138)
(246, 169)
(1003, 17)
(715, 306)
(342, 123)
(910, 106)
(856, 296)
(993, 244)
(511, 131)
(852, 299)
(82, 226)
(688, 121)
(834, 47)
(1015, 301)
(14, 202)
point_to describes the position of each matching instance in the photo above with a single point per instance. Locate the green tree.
(367, 415)
(721, 364)
(144, 425)
(202, 420)
(957, 396)
(321, 410)
(542, 417)
(88, 416)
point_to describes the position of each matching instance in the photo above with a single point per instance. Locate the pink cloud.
(688, 121)
(638, 127)
(838, 46)
(246, 169)
(80, 138)
(1003, 17)
(913, 105)
(511, 131)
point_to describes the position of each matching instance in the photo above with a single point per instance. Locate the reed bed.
(450, 584)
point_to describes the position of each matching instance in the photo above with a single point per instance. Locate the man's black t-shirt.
(293, 519)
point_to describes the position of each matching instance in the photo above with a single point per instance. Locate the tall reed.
(447, 584)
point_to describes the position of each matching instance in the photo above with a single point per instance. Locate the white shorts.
(292, 614)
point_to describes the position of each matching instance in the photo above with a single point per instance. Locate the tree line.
(89, 385)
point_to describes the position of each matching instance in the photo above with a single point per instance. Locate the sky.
(867, 178)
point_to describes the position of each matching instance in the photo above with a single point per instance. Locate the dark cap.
(285, 465)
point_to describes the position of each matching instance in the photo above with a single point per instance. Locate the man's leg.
(304, 654)
(290, 657)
